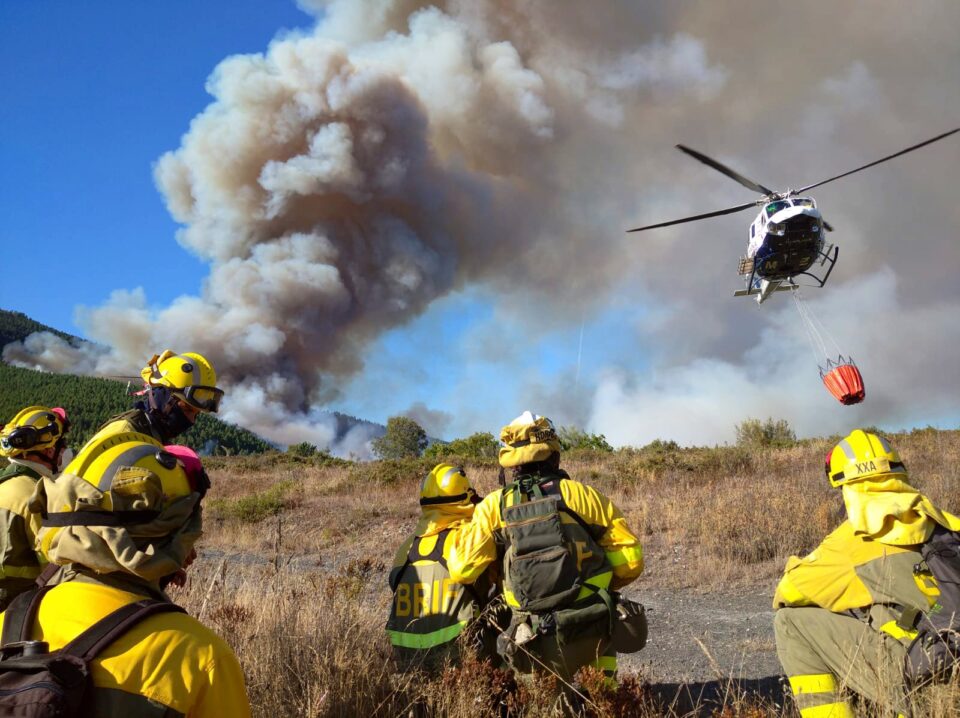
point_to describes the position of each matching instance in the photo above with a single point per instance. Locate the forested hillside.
(15, 326)
(89, 402)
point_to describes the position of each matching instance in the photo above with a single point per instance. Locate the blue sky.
(94, 93)
(640, 337)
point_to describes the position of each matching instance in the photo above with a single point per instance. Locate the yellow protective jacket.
(476, 546)
(869, 559)
(848, 571)
(20, 564)
(167, 666)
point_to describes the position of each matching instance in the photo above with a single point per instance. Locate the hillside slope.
(16, 326)
(90, 401)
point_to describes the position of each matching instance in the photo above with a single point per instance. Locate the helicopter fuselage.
(786, 238)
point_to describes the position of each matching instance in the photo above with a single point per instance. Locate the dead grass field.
(293, 567)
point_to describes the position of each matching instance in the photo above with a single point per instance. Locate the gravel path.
(703, 647)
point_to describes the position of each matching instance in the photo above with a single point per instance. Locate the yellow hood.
(438, 517)
(891, 511)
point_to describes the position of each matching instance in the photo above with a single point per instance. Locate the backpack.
(548, 564)
(38, 683)
(935, 652)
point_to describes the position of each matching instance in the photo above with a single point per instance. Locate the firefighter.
(846, 612)
(34, 443)
(178, 387)
(566, 550)
(120, 523)
(430, 612)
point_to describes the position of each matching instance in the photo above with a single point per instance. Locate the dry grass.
(300, 591)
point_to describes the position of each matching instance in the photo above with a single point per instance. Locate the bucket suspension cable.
(814, 337)
(841, 376)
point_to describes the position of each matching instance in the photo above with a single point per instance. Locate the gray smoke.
(399, 151)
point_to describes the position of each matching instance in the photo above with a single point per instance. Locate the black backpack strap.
(47, 573)
(20, 614)
(413, 555)
(98, 518)
(109, 628)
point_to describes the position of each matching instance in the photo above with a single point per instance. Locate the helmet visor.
(204, 398)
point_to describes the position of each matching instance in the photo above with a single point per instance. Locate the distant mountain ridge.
(92, 400)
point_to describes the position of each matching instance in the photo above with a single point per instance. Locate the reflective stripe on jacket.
(476, 548)
(20, 564)
(168, 665)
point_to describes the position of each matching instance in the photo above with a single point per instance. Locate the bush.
(481, 445)
(390, 471)
(305, 449)
(755, 433)
(404, 439)
(572, 437)
(255, 507)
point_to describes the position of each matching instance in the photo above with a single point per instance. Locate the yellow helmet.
(33, 429)
(528, 438)
(189, 376)
(446, 484)
(134, 454)
(862, 455)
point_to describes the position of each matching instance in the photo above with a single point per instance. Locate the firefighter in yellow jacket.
(34, 443)
(430, 612)
(847, 611)
(566, 550)
(177, 388)
(120, 522)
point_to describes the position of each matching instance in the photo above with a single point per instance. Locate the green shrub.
(573, 438)
(255, 507)
(481, 445)
(304, 448)
(391, 471)
(755, 433)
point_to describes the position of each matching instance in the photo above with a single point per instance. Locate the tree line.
(90, 401)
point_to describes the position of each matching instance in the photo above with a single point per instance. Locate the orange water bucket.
(843, 379)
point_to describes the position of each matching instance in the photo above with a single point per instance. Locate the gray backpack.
(934, 654)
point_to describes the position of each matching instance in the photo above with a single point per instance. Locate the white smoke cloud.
(400, 151)
(898, 349)
(343, 180)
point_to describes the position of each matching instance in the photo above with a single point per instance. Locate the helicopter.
(786, 240)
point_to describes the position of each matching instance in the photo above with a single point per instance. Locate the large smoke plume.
(345, 179)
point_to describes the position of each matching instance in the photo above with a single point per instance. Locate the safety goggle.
(204, 398)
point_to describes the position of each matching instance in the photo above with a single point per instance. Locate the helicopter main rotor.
(767, 193)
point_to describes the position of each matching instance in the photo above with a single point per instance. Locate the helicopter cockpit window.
(775, 207)
(804, 202)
